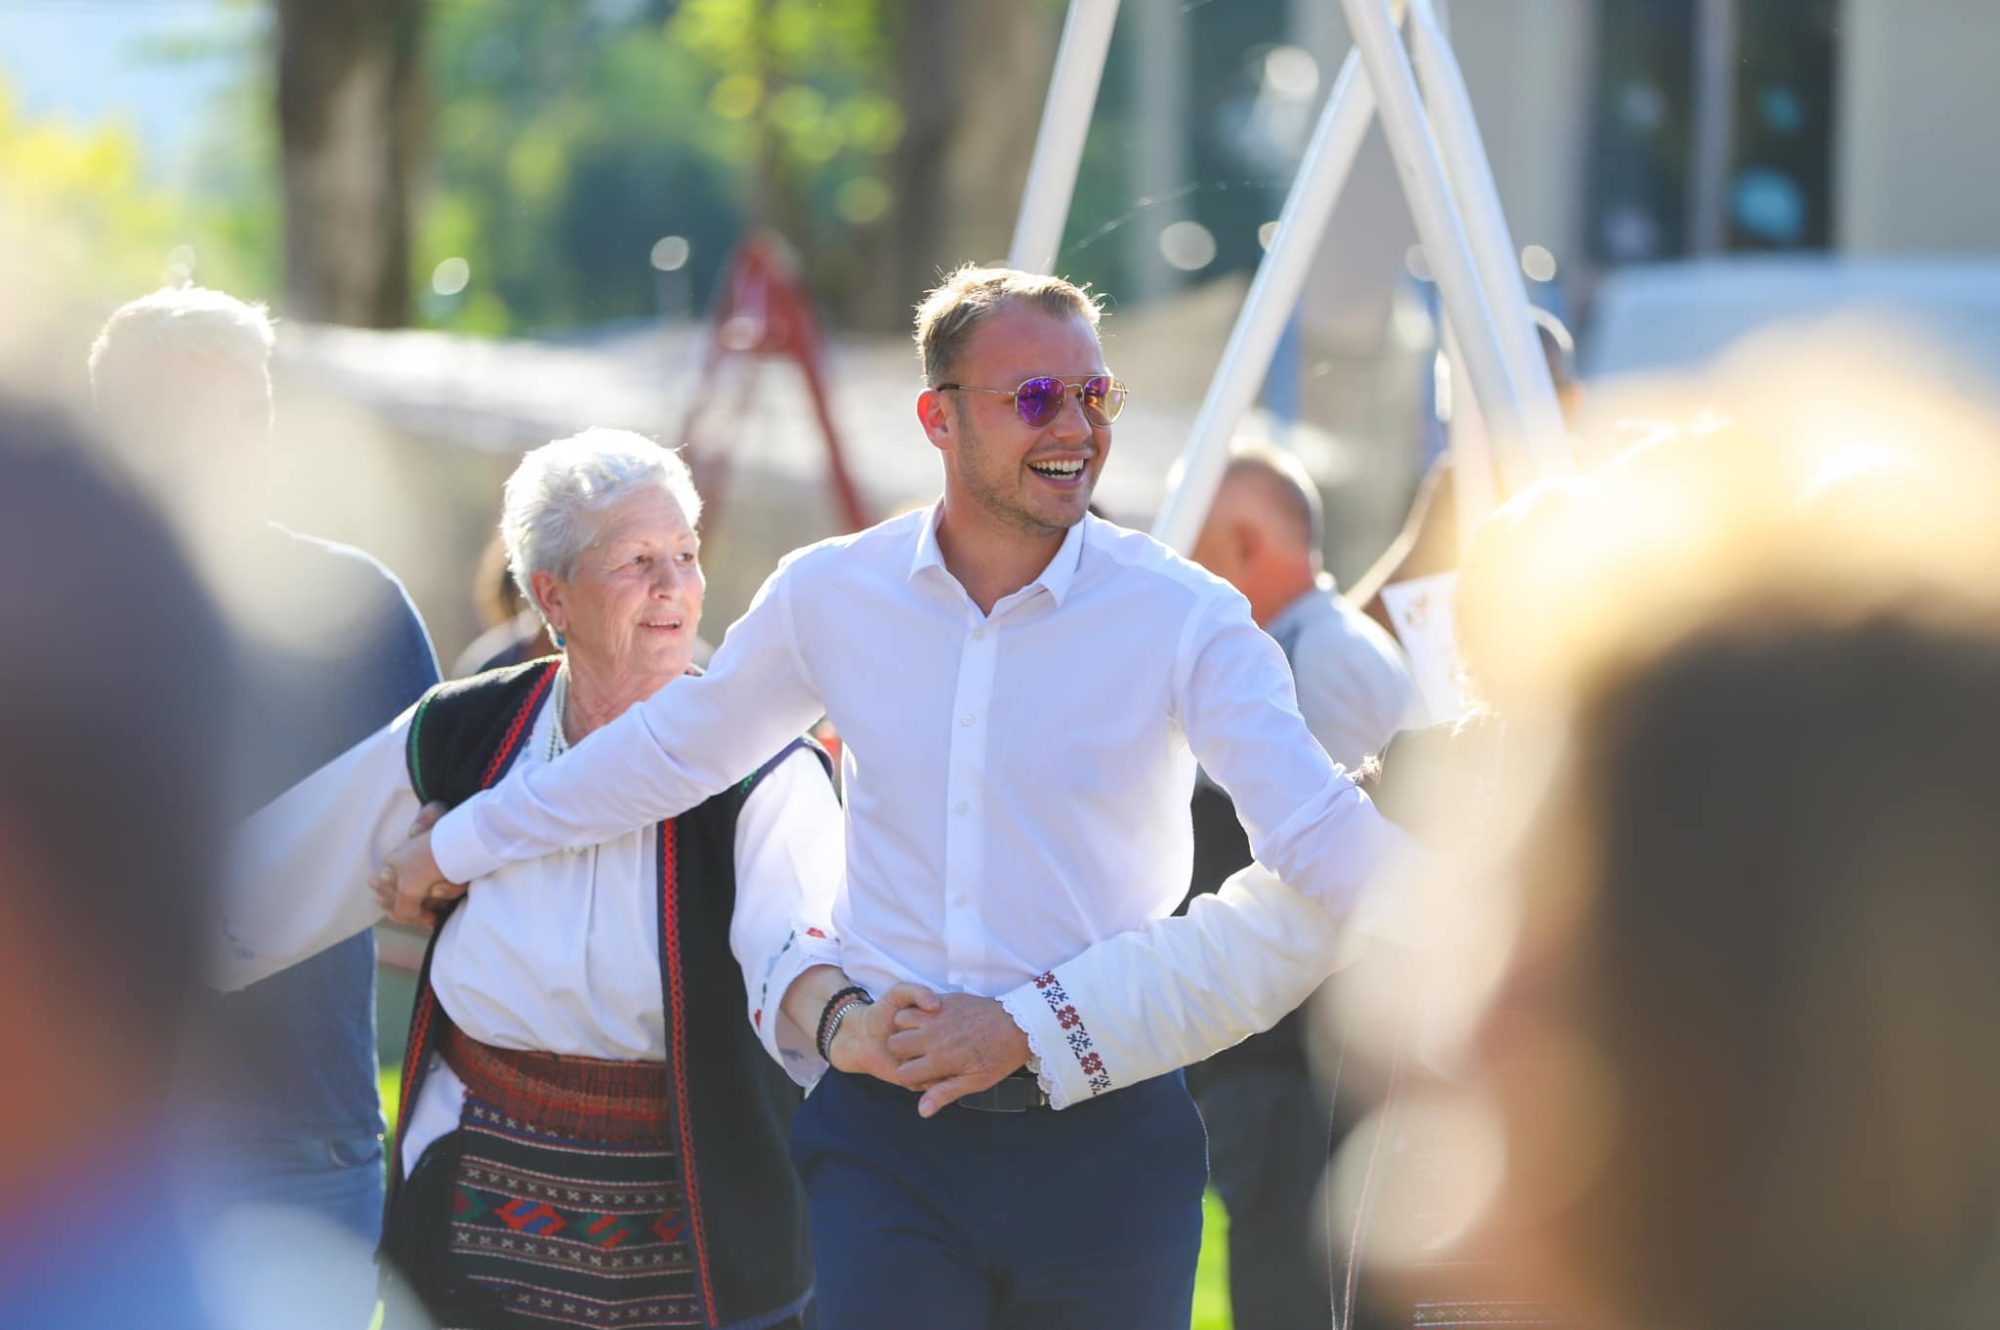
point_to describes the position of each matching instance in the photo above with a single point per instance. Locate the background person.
(510, 630)
(1270, 1127)
(281, 1094)
(1429, 542)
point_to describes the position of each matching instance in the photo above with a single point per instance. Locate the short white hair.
(545, 516)
(181, 323)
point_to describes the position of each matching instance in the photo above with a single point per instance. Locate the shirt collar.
(1323, 589)
(1061, 572)
(928, 554)
(1056, 578)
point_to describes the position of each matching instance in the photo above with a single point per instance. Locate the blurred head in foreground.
(113, 673)
(1741, 1049)
(1743, 1054)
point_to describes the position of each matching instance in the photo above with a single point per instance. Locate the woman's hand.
(409, 887)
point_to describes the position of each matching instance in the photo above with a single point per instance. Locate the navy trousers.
(1087, 1219)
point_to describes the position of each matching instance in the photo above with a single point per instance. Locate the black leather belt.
(1018, 1092)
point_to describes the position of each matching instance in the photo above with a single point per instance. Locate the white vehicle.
(1673, 318)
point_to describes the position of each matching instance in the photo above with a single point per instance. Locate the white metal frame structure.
(1086, 42)
(1442, 164)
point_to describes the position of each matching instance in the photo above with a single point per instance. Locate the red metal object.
(763, 310)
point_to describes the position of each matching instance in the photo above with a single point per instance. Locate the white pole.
(1086, 41)
(1343, 122)
(1440, 228)
(1475, 489)
(1471, 177)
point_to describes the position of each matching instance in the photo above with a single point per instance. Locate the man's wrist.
(834, 1013)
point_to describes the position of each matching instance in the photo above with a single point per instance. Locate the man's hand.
(409, 887)
(861, 1044)
(968, 1044)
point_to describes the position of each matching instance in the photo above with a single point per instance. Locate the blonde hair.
(971, 294)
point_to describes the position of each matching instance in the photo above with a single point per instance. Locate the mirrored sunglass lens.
(1104, 398)
(1038, 400)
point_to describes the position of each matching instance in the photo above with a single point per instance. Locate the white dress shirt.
(558, 954)
(1017, 783)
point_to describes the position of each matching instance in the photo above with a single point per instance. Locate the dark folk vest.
(732, 1107)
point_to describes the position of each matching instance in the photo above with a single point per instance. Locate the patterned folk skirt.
(557, 1202)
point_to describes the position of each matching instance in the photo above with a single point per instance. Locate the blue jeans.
(266, 1210)
(339, 1178)
(1088, 1219)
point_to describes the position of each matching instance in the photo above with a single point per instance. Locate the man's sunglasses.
(1040, 400)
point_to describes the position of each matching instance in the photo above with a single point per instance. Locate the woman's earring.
(561, 641)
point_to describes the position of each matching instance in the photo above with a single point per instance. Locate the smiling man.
(1023, 691)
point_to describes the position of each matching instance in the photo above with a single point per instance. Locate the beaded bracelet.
(833, 1013)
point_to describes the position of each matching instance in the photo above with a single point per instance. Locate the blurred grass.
(1211, 1278)
(1211, 1275)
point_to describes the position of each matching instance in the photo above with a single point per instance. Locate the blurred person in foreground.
(1024, 691)
(1730, 966)
(1270, 1128)
(590, 1127)
(111, 823)
(1530, 576)
(281, 1090)
(1447, 783)
(1743, 1053)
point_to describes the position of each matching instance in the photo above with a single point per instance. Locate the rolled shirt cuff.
(460, 854)
(789, 1046)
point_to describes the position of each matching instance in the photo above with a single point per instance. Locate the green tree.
(84, 225)
(567, 143)
(350, 112)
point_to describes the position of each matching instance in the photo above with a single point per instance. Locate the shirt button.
(966, 719)
(979, 634)
(959, 901)
(962, 807)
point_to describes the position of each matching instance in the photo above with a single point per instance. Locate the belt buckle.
(1014, 1093)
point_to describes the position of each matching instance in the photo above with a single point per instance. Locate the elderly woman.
(590, 1133)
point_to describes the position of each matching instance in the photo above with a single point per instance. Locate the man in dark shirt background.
(281, 1094)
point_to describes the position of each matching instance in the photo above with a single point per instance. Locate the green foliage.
(566, 144)
(75, 203)
(233, 212)
(83, 225)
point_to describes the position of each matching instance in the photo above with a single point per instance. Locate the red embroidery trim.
(413, 1053)
(518, 729)
(418, 1047)
(1081, 1046)
(670, 944)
